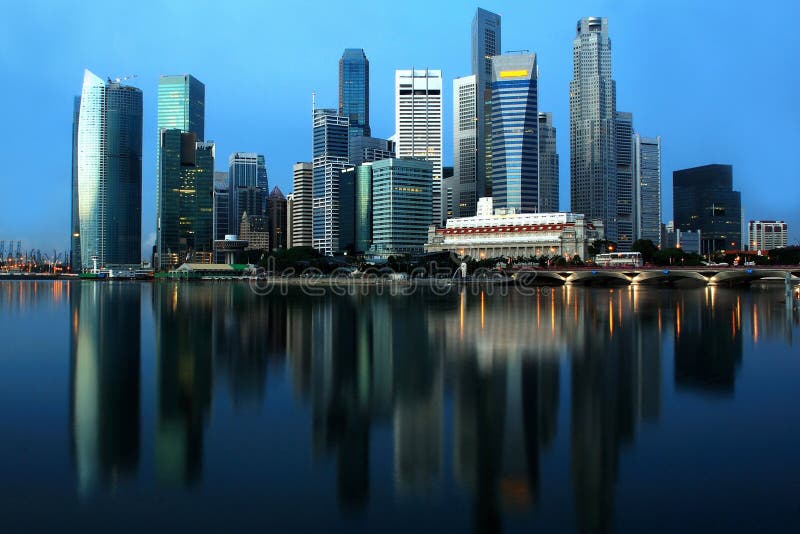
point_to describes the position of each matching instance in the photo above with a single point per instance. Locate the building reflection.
(104, 383)
(183, 320)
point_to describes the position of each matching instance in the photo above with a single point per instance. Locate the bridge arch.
(744, 276)
(668, 275)
(599, 275)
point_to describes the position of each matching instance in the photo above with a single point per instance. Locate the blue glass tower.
(330, 151)
(515, 133)
(354, 91)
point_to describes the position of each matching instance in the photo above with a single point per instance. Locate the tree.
(646, 247)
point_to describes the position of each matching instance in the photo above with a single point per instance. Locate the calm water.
(187, 407)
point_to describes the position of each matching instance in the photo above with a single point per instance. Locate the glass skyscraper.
(246, 170)
(647, 180)
(354, 91)
(462, 188)
(548, 165)
(75, 220)
(355, 208)
(626, 190)
(401, 197)
(485, 45)
(592, 108)
(330, 151)
(185, 172)
(109, 171)
(515, 133)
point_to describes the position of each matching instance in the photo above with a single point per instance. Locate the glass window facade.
(354, 91)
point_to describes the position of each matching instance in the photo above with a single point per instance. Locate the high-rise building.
(365, 149)
(626, 190)
(401, 196)
(246, 170)
(109, 172)
(185, 199)
(548, 165)
(347, 210)
(330, 151)
(277, 219)
(354, 92)
(289, 220)
(75, 225)
(515, 133)
(355, 208)
(703, 199)
(303, 200)
(182, 104)
(418, 125)
(647, 185)
(592, 106)
(465, 138)
(766, 235)
(221, 212)
(485, 45)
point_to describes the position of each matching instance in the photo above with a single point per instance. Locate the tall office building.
(181, 109)
(185, 199)
(109, 172)
(354, 91)
(246, 170)
(276, 204)
(418, 125)
(75, 219)
(330, 151)
(515, 133)
(626, 197)
(401, 194)
(548, 165)
(647, 184)
(221, 211)
(289, 220)
(364, 149)
(485, 45)
(592, 106)
(465, 138)
(303, 200)
(355, 203)
(703, 199)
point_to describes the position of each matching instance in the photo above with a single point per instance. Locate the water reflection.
(104, 384)
(470, 385)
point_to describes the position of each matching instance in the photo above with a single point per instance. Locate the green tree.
(646, 247)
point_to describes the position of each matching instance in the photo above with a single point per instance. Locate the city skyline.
(708, 137)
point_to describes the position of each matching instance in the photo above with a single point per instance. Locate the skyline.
(700, 121)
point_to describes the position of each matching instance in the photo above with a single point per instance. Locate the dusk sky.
(718, 80)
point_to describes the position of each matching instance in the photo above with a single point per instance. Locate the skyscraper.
(330, 151)
(109, 172)
(626, 190)
(592, 105)
(355, 214)
(548, 165)
(184, 188)
(364, 149)
(354, 91)
(401, 194)
(465, 138)
(515, 133)
(703, 199)
(418, 125)
(289, 220)
(246, 170)
(303, 199)
(647, 183)
(277, 219)
(485, 45)
(75, 227)
(221, 202)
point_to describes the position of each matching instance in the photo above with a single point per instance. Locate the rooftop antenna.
(313, 101)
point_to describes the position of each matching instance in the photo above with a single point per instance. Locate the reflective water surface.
(204, 407)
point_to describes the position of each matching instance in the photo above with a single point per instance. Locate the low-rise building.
(766, 235)
(515, 234)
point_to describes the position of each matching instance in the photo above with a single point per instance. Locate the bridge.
(712, 276)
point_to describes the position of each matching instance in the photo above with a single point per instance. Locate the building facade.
(515, 133)
(289, 220)
(365, 149)
(221, 212)
(246, 170)
(109, 172)
(331, 154)
(548, 165)
(354, 91)
(703, 199)
(75, 218)
(182, 104)
(356, 208)
(303, 199)
(418, 125)
(465, 139)
(401, 199)
(277, 209)
(485, 45)
(626, 197)
(766, 235)
(515, 235)
(592, 106)
(647, 182)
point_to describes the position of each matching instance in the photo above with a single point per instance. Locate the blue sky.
(716, 79)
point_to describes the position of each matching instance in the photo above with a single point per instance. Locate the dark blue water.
(188, 407)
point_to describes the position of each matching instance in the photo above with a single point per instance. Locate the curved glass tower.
(109, 168)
